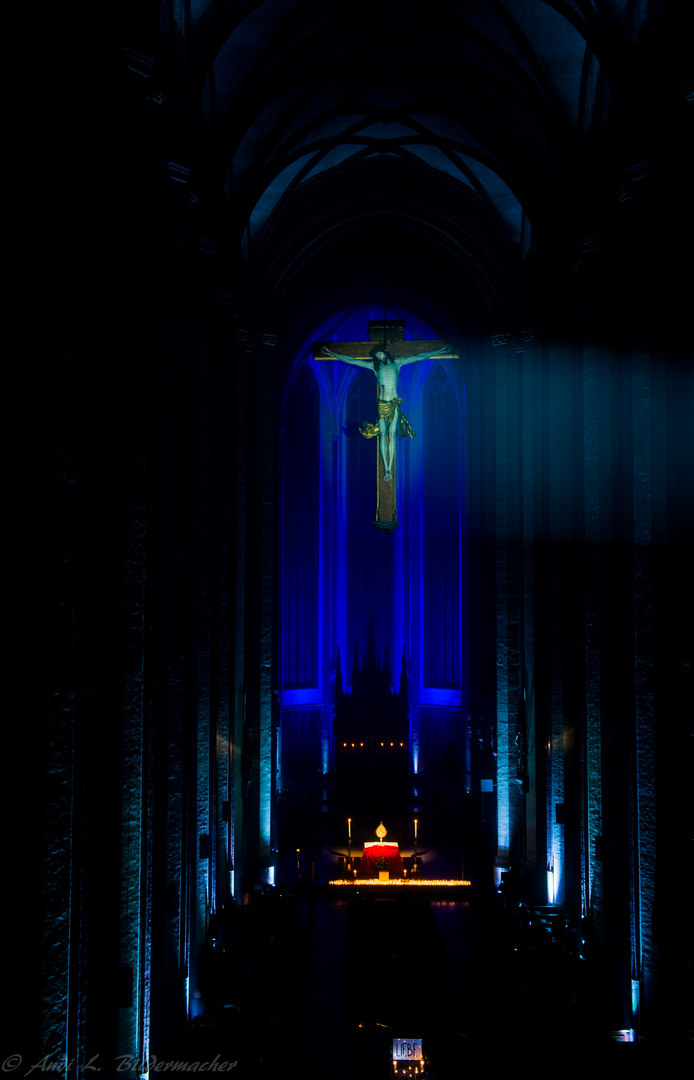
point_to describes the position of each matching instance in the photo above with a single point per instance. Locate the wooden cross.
(392, 334)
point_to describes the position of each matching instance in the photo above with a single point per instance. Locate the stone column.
(259, 587)
(508, 551)
(172, 501)
(239, 357)
(202, 599)
(648, 479)
(595, 377)
(557, 530)
(137, 788)
(223, 595)
(268, 579)
(529, 351)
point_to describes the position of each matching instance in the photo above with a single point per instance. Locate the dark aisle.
(321, 1045)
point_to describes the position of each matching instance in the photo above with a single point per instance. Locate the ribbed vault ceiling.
(441, 128)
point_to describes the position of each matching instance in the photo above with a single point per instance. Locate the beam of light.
(265, 739)
(327, 738)
(414, 741)
(555, 871)
(558, 881)
(503, 775)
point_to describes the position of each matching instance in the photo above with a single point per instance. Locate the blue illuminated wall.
(300, 516)
(338, 571)
(441, 580)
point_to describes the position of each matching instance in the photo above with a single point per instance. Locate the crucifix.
(391, 420)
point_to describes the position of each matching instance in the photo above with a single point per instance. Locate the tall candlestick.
(414, 859)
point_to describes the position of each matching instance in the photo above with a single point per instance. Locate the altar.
(379, 856)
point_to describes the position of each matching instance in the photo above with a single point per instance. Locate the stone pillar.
(57, 1032)
(259, 587)
(202, 599)
(137, 789)
(223, 596)
(61, 839)
(530, 466)
(596, 394)
(238, 361)
(648, 435)
(268, 429)
(508, 640)
(173, 428)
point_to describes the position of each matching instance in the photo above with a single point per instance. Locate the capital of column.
(640, 170)
(588, 245)
(144, 66)
(179, 174)
(251, 339)
(245, 338)
(137, 62)
(174, 171)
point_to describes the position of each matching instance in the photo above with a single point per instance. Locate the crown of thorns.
(381, 348)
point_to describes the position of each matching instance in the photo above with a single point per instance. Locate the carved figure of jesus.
(386, 368)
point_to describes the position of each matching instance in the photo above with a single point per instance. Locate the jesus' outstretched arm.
(422, 355)
(347, 359)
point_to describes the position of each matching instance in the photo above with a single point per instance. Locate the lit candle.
(349, 827)
(415, 828)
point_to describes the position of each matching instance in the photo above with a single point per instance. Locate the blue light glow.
(503, 799)
(429, 695)
(338, 577)
(550, 886)
(555, 871)
(265, 740)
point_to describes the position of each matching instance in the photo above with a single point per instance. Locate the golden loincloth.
(386, 411)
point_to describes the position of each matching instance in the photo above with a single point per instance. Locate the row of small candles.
(361, 744)
(399, 881)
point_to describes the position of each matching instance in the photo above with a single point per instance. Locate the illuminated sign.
(407, 1049)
